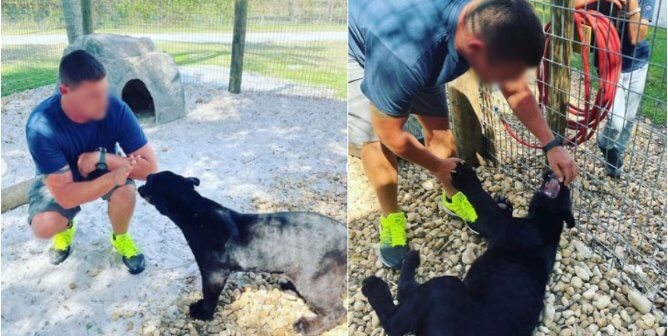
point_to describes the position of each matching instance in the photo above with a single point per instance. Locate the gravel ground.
(590, 291)
(252, 152)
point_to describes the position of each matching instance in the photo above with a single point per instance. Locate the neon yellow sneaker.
(459, 206)
(132, 256)
(393, 246)
(61, 245)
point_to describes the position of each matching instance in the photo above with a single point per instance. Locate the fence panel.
(292, 46)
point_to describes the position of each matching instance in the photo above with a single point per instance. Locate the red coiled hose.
(608, 53)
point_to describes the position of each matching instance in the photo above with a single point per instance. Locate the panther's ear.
(193, 180)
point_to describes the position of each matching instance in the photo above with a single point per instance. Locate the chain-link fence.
(620, 212)
(292, 46)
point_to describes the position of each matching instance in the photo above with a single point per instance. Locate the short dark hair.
(510, 29)
(79, 66)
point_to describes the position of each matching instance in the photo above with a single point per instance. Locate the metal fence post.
(86, 17)
(238, 44)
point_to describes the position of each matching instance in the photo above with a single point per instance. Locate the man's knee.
(47, 224)
(124, 194)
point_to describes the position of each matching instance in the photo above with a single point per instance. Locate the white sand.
(251, 151)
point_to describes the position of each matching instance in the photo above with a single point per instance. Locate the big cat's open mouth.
(551, 186)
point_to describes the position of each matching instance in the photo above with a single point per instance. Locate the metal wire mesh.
(292, 46)
(624, 218)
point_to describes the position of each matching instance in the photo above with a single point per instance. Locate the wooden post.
(561, 17)
(238, 44)
(86, 17)
(466, 113)
(16, 195)
(72, 19)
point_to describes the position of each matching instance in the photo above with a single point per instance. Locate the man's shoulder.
(42, 115)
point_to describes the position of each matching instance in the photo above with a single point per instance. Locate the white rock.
(639, 301)
(576, 282)
(602, 302)
(468, 257)
(648, 320)
(582, 249)
(581, 273)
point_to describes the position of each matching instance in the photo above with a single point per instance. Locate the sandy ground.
(252, 152)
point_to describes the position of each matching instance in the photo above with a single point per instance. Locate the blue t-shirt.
(55, 141)
(633, 56)
(407, 50)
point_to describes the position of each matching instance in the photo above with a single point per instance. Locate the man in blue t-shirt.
(72, 137)
(631, 19)
(402, 52)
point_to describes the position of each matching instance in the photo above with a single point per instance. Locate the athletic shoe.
(393, 246)
(61, 245)
(460, 207)
(132, 257)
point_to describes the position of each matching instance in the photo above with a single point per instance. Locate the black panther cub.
(502, 293)
(308, 248)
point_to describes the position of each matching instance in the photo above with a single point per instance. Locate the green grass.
(311, 64)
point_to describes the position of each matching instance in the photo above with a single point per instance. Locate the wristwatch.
(102, 162)
(556, 142)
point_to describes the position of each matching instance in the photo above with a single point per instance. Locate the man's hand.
(444, 171)
(562, 164)
(122, 172)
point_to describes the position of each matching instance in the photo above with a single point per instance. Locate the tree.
(72, 18)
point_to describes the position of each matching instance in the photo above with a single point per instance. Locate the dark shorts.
(41, 200)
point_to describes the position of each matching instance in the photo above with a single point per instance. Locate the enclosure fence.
(623, 219)
(291, 47)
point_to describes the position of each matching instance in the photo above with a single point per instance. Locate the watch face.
(101, 166)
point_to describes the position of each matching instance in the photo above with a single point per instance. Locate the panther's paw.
(504, 204)
(372, 285)
(199, 312)
(308, 325)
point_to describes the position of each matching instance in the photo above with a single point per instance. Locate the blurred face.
(490, 71)
(88, 100)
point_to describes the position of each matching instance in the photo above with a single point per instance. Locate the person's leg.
(49, 220)
(47, 224)
(637, 80)
(440, 141)
(380, 167)
(120, 208)
(608, 138)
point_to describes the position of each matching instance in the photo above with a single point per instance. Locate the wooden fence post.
(466, 113)
(86, 17)
(238, 44)
(561, 46)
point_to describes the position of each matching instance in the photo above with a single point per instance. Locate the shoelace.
(125, 246)
(460, 205)
(398, 232)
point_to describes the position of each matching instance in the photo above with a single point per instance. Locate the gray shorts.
(41, 200)
(360, 130)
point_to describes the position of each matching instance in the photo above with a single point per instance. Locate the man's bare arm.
(146, 162)
(524, 105)
(69, 194)
(391, 134)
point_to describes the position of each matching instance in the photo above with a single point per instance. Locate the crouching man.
(72, 137)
